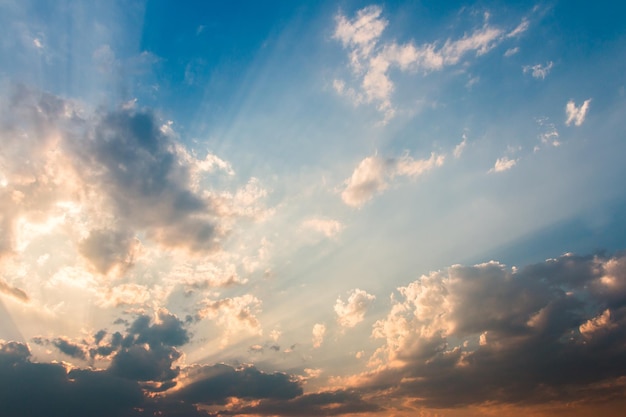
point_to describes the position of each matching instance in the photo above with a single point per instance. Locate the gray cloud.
(123, 169)
(33, 389)
(215, 384)
(553, 331)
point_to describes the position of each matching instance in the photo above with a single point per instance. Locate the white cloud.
(575, 114)
(352, 312)
(458, 149)
(371, 175)
(521, 28)
(511, 51)
(319, 331)
(327, 227)
(233, 314)
(371, 59)
(538, 71)
(503, 164)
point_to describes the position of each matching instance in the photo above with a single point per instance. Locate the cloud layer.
(553, 331)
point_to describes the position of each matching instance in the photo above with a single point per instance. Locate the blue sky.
(297, 208)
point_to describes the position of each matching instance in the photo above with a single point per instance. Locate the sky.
(332, 208)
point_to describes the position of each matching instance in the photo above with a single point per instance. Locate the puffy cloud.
(352, 312)
(549, 332)
(233, 314)
(371, 59)
(503, 164)
(319, 331)
(371, 175)
(104, 177)
(538, 71)
(575, 114)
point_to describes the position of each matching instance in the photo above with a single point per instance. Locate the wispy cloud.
(371, 58)
(538, 71)
(503, 164)
(319, 331)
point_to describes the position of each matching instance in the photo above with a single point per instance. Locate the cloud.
(327, 227)
(104, 177)
(538, 71)
(352, 312)
(550, 135)
(371, 175)
(325, 403)
(319, 331)
(51, 390)
(456, 337)
(106, 249)
(575, 114)
(511, 51)
(127, 387)
(503, 164)
(234, 314)
(64, 345)
(217, 383)
(458, 149)
(371, 59)
(14, 292)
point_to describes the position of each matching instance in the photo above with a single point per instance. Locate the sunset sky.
(314, 208)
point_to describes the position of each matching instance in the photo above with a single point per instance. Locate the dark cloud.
(137, 165)
(215, 384)
(147, 352)
(554, 331)
(71, 349)
(32, 389)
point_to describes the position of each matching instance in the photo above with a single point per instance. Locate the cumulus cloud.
(538, 71)
(503, 164)
(234, 314)
(127, 388)
(108, 176)
(319, 331)
(352, 312)
(456, 337)
(372, 174)
(575, 114)
(371, 58)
